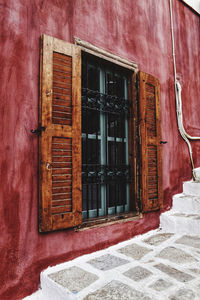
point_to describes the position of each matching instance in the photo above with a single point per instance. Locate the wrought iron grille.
(105, 168)
(97, 101)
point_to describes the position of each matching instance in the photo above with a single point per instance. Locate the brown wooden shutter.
(60, 197)
(151, 169)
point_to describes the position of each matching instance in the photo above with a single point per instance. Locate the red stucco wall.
(138, 30)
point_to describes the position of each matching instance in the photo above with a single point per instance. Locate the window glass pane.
(90, 151)
(91, 197)
(93, 78)
(119, 86)
(116, 153)
(116, 125)
(90, 121)
(116, 194)
(115, 84)
(110, 84)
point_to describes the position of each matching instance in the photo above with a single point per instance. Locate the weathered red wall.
(138, 30)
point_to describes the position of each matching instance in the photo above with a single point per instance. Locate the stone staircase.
(116, 271)
(184, 217)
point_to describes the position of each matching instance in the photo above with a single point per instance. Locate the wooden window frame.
(106, 55)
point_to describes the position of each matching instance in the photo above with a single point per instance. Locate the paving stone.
(192, 241)
(107, 262)
(116, 290)
(196, 271)
(179, 275)
(176, 255)
(135, 251)
(137, 273)
(75, 279)
(197, 288)
(160, 285)
(183, 294)
(157, 239)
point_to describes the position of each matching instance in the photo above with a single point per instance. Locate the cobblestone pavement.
(154, 266)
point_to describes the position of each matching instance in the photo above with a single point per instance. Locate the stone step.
(197, 173)
(186, 204)
(52, 290)
(180, 222)
(191, 188)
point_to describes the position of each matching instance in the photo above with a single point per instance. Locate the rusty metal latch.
(39, 130)
(163, 142)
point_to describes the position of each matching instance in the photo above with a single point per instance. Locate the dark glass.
(116, 153)
(119, 87)
(116, 125)
(116, 192)
(110, 84)
(93, 78)
(90, 121)
(90, 151)
(91, 196)
(115, 85)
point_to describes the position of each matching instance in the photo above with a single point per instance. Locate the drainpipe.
(186, 137)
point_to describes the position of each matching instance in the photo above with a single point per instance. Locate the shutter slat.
(61, 146)
(61, 121)
(66, 196)
(61, 114)
(60, 108)
(61, 209)
(62, 68)
(61, 202)
(62, 158)
(62, 184)
(57, 190)
(63, 85)
(62, 75)
(62, 57)
(150, 143)
(61, 79)
(62, 164)
(58, 98)
(61, 62)
(62, 171)
(61, 91)
(60, 150)
(61, 177)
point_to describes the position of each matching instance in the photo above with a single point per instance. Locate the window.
(105, 138)
(112, 163)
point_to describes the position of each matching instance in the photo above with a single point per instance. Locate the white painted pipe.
(178, 99)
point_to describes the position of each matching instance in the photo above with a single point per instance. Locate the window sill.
(108, 220)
